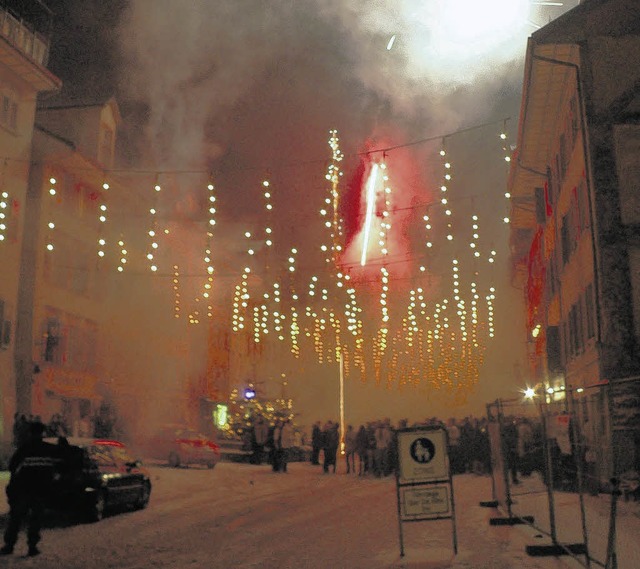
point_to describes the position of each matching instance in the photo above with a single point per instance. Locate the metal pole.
(397, 445)
(342, 430)
(577, 452)
(453, 502)
(493, 459)
(612, 558)
(505, 457)
(549, 469)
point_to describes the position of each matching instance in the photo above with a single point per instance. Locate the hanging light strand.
(207, 258)
(152, 232)
(506, 156)
(4, 204)
(102, 220)
(51, 226)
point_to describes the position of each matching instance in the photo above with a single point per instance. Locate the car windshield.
(109, 455)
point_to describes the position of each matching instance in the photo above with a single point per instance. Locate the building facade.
(106, 274)
(24, 48)
(575, 237)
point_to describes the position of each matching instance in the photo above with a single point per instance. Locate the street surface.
(241, 516)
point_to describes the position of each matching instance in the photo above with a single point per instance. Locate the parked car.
(180, 445)
(96, 476)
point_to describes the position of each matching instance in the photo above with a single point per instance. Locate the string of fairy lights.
(439, 339)
(4, 203)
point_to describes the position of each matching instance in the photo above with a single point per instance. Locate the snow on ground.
(241, 516)
(531, 499)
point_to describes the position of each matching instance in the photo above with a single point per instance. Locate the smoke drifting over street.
(246, 90)
(197, 65)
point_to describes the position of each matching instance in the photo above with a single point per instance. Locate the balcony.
(27, 25)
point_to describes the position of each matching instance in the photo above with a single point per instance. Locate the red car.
(180, 445)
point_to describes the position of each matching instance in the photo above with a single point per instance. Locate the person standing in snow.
(316, 442)
(259, 436)
(361, 449)
(33, 469)
(331, 443)
(383, 440)
(284, 439)
(350, 449)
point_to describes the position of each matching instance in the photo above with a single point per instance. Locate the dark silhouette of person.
(259, 437)
(510, 449)
(33, 468)
(331, 444)
(362, 443)
(316, 443)
(20, 429)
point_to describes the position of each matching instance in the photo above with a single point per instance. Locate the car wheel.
(145, 494)
(98, 506)
(211, 465)
(174, 459)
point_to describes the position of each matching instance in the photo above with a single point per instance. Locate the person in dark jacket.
(33, 467)
(259, 437)
(331, 444)
(316, 443)
(362, 443)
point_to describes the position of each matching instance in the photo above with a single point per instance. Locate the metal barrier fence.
(553, 453)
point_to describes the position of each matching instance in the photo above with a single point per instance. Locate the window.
(105, 151)
(565, 239)
(81, 342)
(70, 341)
(541, 206)
(570, 230)
(583, 204)
(552, 274)
(590, 313)
(52, 341)
(68, 266)
(5, 326)
(575, 120)
(563, 158)
(552, 190)
(9, 112)
(576, 335)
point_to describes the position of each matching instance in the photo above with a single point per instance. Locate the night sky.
(247, 90)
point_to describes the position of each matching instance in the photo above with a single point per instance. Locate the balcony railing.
(27, 25)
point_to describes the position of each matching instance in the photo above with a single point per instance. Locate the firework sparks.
(371, 197)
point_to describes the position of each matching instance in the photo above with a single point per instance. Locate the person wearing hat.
(32, 468)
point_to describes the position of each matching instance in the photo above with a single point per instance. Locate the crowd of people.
(101, 425)
(276, 441)
(369, 449)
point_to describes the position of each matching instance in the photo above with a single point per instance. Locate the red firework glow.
(398, 188)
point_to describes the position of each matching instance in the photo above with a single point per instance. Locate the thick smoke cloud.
(196, 63)
(249, 89)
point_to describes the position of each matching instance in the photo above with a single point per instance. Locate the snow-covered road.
(241, 516)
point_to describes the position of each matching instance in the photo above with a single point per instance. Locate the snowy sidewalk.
(530, 498)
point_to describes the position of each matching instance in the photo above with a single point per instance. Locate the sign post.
(423, 479)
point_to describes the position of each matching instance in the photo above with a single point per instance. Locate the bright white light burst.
(486, 21)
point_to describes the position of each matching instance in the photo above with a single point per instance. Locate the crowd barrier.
(551, 452)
